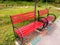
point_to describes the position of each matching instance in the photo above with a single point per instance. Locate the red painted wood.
(28, 28)
(50, 18)
(43, 12)
(22, 17)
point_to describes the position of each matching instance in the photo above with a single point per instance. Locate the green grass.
(6, 31)
(9, 4)
(17, 3)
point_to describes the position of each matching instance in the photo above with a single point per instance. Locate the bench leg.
(21, 41)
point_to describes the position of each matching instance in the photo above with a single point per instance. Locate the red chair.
(27, 29)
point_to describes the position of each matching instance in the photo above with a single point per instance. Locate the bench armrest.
(44, 23)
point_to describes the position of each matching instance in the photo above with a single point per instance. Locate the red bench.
(49, 17)
(27, 29)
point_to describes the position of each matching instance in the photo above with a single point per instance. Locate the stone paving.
(52, 38)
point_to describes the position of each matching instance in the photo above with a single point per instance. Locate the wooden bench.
(49, 17)
(27, 29)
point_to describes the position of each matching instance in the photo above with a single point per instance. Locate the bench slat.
(22, 17)
(43, 12)
(28, 28)
(50, 18)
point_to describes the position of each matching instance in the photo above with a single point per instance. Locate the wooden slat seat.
(27, 29)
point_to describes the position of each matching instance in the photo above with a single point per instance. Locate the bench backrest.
(22, 17)
(43, 12)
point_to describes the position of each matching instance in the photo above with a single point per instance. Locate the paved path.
(53, 38)
(57, 8)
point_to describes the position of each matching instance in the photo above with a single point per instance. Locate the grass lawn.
(6, 31)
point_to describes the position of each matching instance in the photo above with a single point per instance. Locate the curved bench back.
(43, 12)
(22, 17)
